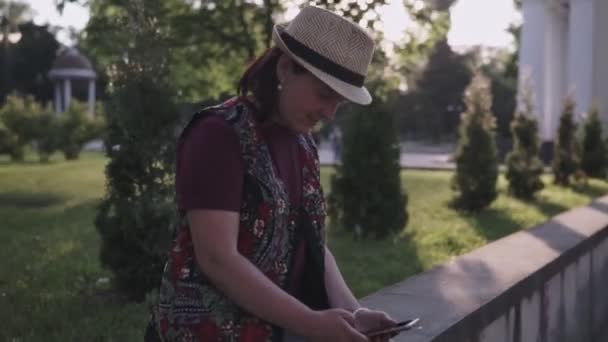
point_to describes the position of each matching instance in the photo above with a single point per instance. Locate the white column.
(57, 97)
(555, 68)
(91, 97)
(580, 54)
(532, 56)
(67, 93)
(600, 71)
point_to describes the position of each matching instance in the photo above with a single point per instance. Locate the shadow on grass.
(493, 223)
(30, 200)
(590, 190)
(371, 264)
(27, 162)
(548, 208)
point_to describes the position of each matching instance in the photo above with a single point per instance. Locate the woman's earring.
(279, 87)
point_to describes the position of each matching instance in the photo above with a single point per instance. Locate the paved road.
(419, 159)
(424, 157)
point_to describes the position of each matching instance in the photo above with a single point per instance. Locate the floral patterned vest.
(190, 307)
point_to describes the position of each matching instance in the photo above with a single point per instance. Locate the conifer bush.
(565, 156)
(593, 157)
(476, 155)
(136, 216)
(366, 196)
(524, 166)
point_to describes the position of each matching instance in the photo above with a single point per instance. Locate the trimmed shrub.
(75, 128)
(366, 194)
(17, 116)
(565, 156)
(593, 158)
(136, 216)
(46, 133)
(476, 156)
(524, 167)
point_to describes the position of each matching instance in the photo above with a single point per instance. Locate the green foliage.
(439, 93)
(32, 59)
(76, 127)
(208, 45)
(593, 158)
(354, 9)
(24, 65)
(504, 91)
(565, 156)
(432, 24)
(8, 140)
(366, 196)
(476, 159)
(136, 214)
(47, 133)
(17, 115)
(524, 167)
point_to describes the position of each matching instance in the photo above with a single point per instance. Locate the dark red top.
(211, 168)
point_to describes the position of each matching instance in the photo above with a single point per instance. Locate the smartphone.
(394, 330)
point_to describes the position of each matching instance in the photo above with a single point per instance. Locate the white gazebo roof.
(69, 64)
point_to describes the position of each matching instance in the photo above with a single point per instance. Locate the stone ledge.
(476, 288)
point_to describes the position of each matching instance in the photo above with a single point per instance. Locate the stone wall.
(545, 284)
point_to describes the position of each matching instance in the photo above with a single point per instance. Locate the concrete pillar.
(600, 69)
(545, 59)
(580, 53)
(91, 97)
(57, 97)
(67, 93)
(532, 54)
(556, 68)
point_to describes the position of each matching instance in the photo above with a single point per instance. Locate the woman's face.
(303, 100)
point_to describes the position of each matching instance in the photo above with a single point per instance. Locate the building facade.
(564, 51)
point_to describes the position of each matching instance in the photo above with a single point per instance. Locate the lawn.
(52, 287)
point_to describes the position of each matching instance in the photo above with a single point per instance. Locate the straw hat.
(333, 48)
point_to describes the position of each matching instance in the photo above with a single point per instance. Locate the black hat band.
(321, 62)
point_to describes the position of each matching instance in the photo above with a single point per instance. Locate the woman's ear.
(283, 66)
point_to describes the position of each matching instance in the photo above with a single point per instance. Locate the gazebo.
(70, 65)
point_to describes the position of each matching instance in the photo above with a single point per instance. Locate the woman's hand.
(335, 325)
(367, 320)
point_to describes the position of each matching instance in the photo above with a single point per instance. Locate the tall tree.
(431, 25)
(354, 9)
(210, 43)
(35, 53)
(440, 89)
(11, 15)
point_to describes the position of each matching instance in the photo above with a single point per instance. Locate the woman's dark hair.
(260, 81)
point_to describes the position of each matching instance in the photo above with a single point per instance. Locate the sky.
(474, 22)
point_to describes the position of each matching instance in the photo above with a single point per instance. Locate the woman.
(249, 261)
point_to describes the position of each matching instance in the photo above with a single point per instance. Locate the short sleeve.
(210, 167)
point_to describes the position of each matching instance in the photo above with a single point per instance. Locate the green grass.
(435, 232)
(50, 268)
(49, 288)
